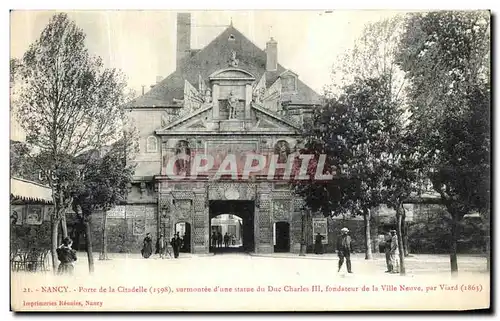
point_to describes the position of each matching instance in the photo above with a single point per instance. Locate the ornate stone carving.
(193, 99)
(259, 90)
(139, 226)
(281, 210)
(142, 187)
(216, 191)
(233, 61)
(298, 204)
(199, 235)
(183, 208)
(199, 203)
(183, 153)
(265, 235)
(282, 149)
(199, 219)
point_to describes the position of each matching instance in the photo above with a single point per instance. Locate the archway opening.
(281, 236)
(184, 230)
(231, 226)
(226, 232)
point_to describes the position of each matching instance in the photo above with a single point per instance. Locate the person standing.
(344, 249)
(387, 251)
(318, 244)
(160, 246)
(219, 239)
(214, 240)
(176, 244)
(66, 255)
(394, 254)
(147, 247)
(226, 240)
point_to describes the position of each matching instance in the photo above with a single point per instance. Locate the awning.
(29, 191)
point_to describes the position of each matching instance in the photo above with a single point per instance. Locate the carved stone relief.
(281, 210)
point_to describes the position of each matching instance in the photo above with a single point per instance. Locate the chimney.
(159, 79)
(183, 36)
(272, 55)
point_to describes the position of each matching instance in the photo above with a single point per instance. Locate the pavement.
(415, 263)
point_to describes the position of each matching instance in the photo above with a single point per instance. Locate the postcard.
(326, 160)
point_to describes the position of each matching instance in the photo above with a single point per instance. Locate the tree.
(374, 56)
(355, 132)
(69, 104)
(105, 183)
(446, 59)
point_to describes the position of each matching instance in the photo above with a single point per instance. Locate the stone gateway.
(255, 106)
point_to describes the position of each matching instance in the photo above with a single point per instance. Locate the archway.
(281, 237)
(236, 218)
(184, 229)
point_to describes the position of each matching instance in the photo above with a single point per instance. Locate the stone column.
(248, 100)
(215, 100)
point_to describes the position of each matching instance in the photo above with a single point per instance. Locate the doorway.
(281, 237)
(184, 230)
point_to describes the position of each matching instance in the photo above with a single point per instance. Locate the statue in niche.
(233, 62)
(231, 104)
(282, 150)
(183, 154)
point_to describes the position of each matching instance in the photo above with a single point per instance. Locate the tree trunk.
(404, 233)
(453, 244)
(399, 225)
(88, 241)
(54, 227)
(368, 239)
(64, 226)
(104, 252)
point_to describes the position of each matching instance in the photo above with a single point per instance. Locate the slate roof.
(215, 56)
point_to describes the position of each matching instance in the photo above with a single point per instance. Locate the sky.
(142, 43)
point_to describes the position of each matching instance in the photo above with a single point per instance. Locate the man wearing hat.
(394, 253)
(344, 249)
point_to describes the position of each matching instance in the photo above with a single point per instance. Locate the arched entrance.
(281, 237)
(184, 230)
(236, 218)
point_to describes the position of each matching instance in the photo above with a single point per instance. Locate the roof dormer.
(288, 82)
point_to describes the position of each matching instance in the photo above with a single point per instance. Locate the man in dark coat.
(176, 243)
(219, 239)
(344, 249)
(214, 239)
(318, 244)
(387, 251)
(226, 240)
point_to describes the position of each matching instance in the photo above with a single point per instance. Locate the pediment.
(274, 119)
(232, 74)
(200, 122)
(196, 121)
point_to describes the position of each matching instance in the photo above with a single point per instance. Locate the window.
(289, 83)
(151, 144)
